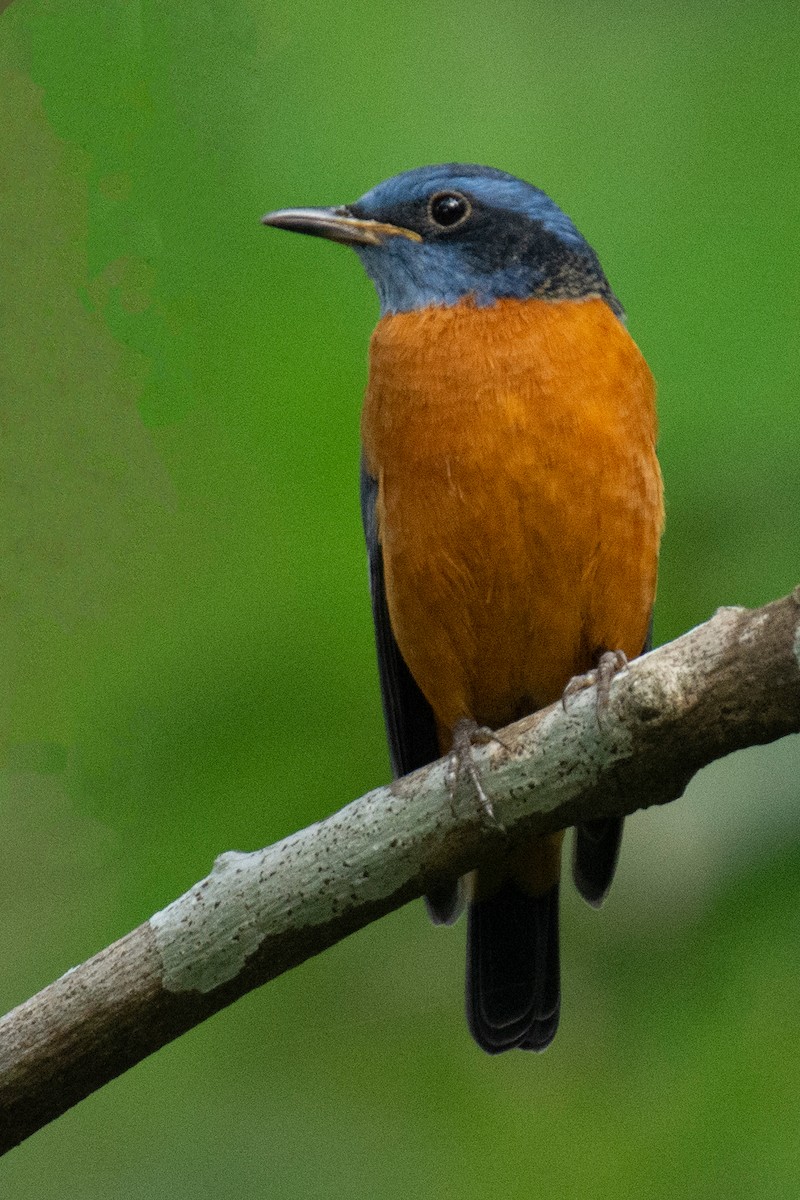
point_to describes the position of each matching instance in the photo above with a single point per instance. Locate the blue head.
(438, 235)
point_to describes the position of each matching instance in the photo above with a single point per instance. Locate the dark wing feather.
(595, 849)
(410, 723)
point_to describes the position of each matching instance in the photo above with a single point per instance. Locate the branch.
(730, 683)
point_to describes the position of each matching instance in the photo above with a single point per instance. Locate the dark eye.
(449, 208)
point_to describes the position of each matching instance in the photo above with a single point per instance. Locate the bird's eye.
(449, 208)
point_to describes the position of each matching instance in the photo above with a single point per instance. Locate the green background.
(185, 630)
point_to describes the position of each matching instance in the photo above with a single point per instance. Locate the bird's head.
(439, 235)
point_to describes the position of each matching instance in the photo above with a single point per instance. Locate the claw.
(610, 663)
(466, 735)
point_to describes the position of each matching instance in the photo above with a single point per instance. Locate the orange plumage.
(519, 498)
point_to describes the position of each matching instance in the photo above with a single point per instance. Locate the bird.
(512, 506)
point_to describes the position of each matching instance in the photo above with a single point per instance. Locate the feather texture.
(513, 515)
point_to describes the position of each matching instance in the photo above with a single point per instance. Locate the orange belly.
(519, 497)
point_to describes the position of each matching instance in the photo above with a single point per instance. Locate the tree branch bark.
(730, 683)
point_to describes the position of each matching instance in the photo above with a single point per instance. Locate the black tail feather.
(513, 981)
(595, 851)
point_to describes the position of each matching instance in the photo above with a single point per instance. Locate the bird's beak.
(336, 224)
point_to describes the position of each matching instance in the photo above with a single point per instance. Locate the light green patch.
(204, 938)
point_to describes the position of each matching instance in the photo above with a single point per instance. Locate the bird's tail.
(513, 978)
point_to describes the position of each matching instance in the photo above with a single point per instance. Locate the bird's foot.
(466, 735)
(610, 663)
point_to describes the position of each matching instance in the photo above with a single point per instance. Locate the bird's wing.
(410, 724)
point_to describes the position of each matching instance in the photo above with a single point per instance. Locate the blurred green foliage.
(185, 629)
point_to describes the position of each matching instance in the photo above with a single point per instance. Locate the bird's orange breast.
(520, 501)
